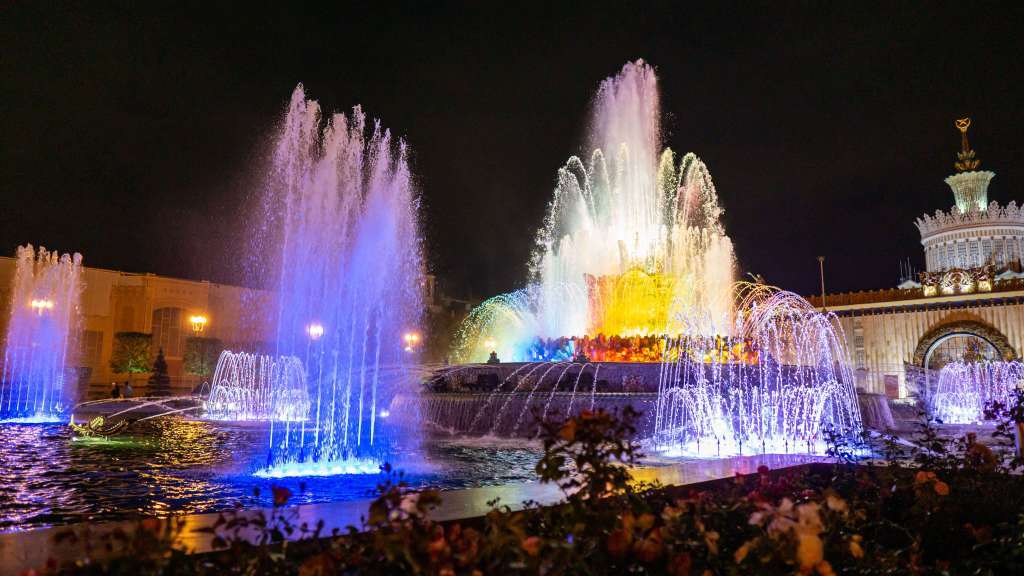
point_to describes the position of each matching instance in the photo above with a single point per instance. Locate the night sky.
(139, 138)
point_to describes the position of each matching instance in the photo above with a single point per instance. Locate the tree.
(201, 355)
(159, 381)
(131, 353)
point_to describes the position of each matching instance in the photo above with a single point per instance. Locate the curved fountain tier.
(965, 388)
(258, 387)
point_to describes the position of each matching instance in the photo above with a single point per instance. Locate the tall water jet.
(258, 387)
(965, 388)
(41, 335)
(348, 277)
(631, 233)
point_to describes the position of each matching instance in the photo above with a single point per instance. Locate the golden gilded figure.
(966, 160)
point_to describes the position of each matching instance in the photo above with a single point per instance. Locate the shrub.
(201, 355)
(131, 353)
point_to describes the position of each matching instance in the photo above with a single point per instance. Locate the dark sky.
(137, 137)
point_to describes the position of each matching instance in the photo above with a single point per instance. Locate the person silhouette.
(493, 358)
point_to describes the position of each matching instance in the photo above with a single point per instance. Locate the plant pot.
(1019, 428)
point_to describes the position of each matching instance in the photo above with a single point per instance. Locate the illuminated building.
(968, 304)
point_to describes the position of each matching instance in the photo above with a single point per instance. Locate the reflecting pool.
(176, 465)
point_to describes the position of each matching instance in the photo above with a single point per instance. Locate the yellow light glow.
(632, 304)
(41, 305)
(198, 322)
(490, 343)
(411, 340)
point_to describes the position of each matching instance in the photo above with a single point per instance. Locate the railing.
(897, 295)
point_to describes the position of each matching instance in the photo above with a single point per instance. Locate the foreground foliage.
(938, 507)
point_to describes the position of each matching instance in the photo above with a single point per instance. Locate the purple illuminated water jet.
(965, 388)
(348, 274)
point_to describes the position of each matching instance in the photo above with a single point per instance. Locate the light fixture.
(198, 323)
(41, 305)
(315, 331)
(411, 340)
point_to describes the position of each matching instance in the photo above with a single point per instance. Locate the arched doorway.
(959, 347)
(960, 341)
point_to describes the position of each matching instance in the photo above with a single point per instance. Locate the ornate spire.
(965, 157)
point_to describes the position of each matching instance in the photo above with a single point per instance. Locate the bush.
(131, 353)
(201, 355)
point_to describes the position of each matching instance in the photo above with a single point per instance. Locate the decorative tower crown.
(965, 158)
(970, 186)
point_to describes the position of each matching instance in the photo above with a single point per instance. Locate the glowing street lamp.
(315, 331)
(198, 323)
(40, 305)
(411, 340)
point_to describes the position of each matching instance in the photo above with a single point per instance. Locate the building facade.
(968, 304)
(114, 302)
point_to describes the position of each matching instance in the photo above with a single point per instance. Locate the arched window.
(168, 333)
(960, 347)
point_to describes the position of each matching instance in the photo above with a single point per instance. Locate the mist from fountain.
(965, 388)
(631, 233)
(41, 338)
(343, 211)
(258, 387)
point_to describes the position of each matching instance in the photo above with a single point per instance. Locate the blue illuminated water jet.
(348, 273)
(41, 331)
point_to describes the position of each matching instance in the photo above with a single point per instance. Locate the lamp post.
(198, 322)
(821, 270)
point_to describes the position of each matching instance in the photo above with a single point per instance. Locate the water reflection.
(186, 466)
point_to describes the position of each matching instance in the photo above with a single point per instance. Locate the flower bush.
(938, 507)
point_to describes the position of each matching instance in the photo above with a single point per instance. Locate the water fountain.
(258, 387)
(783, 398)
(341, 207)
(633, 265)
(41, 336)
(965, 388)
(631, 233)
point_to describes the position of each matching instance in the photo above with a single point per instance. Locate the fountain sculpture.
(631, 233)
(41, 336)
